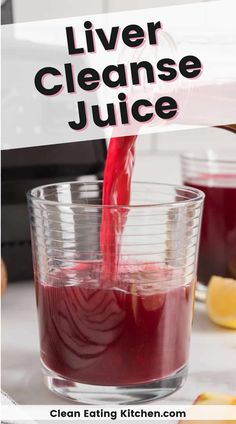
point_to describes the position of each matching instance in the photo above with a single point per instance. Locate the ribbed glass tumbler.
(114, 289)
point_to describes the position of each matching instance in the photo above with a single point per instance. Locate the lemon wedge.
(221, 301)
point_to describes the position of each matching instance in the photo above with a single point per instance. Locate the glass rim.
(199, 196)
(210, 155)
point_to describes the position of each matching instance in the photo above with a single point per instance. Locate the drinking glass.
(215, 174)
(123, 339)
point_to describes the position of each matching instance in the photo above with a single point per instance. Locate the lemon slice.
(221, 301)
(214, 399)
(211, 399)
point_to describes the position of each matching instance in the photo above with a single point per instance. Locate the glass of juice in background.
(215, 174)
(121, 337)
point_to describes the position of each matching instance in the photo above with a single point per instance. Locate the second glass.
(124, 340)
(215, 174)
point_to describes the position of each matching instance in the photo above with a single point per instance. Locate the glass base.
(200, 292)
(115, 395)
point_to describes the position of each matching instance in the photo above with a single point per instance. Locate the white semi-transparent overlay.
(205, 30)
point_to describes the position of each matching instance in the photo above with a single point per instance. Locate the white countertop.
(212, 358)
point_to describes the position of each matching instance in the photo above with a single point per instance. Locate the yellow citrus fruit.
(212, 399)
(3, 277)
(221, 301)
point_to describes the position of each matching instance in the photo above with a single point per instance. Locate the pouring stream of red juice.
(116, 191)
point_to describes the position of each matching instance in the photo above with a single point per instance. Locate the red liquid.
(217, 254)
(114, 336)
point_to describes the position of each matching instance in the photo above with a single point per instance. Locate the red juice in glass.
(114, 283)
(115, 336)
(217, 253)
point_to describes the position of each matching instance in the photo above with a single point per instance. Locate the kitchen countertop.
(212, 358)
